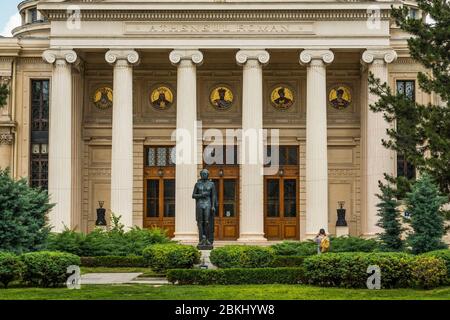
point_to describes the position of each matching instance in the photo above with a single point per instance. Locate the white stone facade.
(250, 47)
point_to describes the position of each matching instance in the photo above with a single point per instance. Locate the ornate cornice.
(262, 56)
(6, 138)
(216, 15)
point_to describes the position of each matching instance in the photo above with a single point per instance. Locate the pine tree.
(427, 220)
(422, 129)
(23, 224)
(389, 219)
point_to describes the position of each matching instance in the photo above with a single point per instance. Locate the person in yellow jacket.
(323, 242)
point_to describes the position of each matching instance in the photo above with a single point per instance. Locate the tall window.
(39, 133)
(404, 168)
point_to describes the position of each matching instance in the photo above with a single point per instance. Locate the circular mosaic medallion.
(282, 98)
(221, 97)
(103, 98)
(340, 97)
(161, 98)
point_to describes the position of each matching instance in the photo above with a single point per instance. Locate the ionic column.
(378, 159)
(60, 158)
(186, 137)
(122, 134)
(316, 140)
(251, 151)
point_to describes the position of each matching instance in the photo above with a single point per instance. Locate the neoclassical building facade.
(98, 88)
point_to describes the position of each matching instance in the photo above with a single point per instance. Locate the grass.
(216, 292)
(146, 272)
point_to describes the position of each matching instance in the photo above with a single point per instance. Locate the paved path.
(108, 278)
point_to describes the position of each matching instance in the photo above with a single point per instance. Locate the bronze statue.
(206, 203)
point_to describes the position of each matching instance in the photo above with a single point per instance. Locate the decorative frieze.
(216, 15)
(6, 138)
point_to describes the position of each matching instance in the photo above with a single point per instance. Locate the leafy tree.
(427, 220)
(421, 129)
(23, 225)
(389, 219)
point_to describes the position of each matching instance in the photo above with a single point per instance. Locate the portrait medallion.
(221, 97)
(340, 97)
(282, 98)
(161, 98)
(103, 98)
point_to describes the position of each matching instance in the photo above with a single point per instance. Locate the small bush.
(295, 248)
(353, 244)
(46, 268)
(287, 261)
(106, 243)
(161, 257)
(349, 269)
(130, 261)
(242, 257)
(11, 268)
(445, 256)
(428, 272)
(236, 276)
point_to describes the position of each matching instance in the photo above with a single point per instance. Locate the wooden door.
(159, 199)
(281, 206)
(226, 222)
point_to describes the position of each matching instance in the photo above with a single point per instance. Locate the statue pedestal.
(202, 247)
(205, 262)
(342, 231)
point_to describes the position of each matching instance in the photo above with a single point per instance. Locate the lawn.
(146, 272)
(234, 292)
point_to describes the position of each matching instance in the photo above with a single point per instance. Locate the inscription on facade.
(222, 28)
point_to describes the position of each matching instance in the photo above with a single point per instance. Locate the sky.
(9, 16)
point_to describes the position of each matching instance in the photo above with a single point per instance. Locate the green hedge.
(295, 248)
(236, 256)
(106, 243)
(161, 257)
(131, 261)
(236, 276)
(398, 270)
(445, 256)
(47, 269)
(287, 261)
(11, 268)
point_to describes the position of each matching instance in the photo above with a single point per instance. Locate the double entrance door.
(226, 221)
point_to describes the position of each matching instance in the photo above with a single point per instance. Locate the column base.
(186, 237)
(252, 237)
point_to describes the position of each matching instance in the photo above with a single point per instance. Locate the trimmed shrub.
(353, 244)
(444, 255)
(428, 272)
(11, 268)
(161, 257)
(130, 261)
(295, 248)
(287, 261)
(349, 269)
(236, 276)
(235, 256)
(106, 243)
(47, 268)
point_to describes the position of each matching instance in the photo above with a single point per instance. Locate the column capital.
(262, 56)
(388, 55)
(53, 55)
(130, 56)
(176, 56)
(308, 55)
